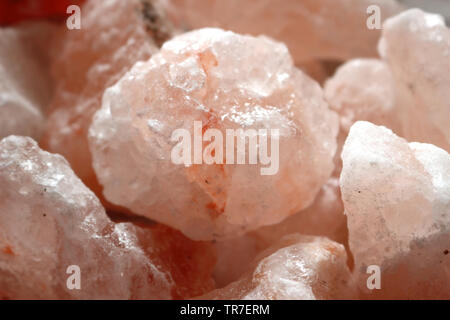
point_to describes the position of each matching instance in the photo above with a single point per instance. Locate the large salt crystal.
(312, 29)
(397, 199)
(25, 85)
(226, 81)
(416, 46)
(49, 221)
(297, 267)
(362, 89)
(114, 35)
(325, 217)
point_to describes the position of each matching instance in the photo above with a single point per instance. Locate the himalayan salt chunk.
(189, 263)
(296, 268)
(397, 199)
(312, 29)
(362, 89)
(114, 35)
(325, 217)
(223, 81)
(25, 85)
(18, 115)
(416, 46)
(49, 221)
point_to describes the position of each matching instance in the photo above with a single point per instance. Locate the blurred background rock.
(436, 6)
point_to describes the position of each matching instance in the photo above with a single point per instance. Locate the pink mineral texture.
(114, 35)
(25, 85)
(297, 267)
(397, 199)
(49, 221)
(225, 81)
(406, 91)
(325, 217)
(312, 29)
(362, 89)
(416, 47)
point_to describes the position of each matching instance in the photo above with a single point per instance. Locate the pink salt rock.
(312, 29)
(114, 35)
(189, 264)
(397, 199)
(49, 221)
(225, 81)
(297, 267)
(416, 47)
(362, 89)
(25, 85)
(325, 217)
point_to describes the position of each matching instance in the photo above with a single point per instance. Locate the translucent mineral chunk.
(298, 267)
(416, 46)
(114, 35)
(362, 89)
(397, 199)
(25, 85)
(325, 217)
(312, 29)
(49, 221)
(223, 81)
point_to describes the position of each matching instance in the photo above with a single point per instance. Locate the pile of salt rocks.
(356, 209)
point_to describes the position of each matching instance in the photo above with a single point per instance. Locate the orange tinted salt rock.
(325, 217)
(226, 81)
(189, 263)
(312, 29)
(397, 198)
(25, 85)
(49, 221)
(114, 35)
(297, 267)
(416, 46)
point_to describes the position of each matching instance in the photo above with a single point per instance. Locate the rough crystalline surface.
(362, 89)
(297, 267)
(312, 29)
(325, 217)
(397, 199)
(225, 81)
(114, 35)
(24, 81)
(416, 46)
(49, 221)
